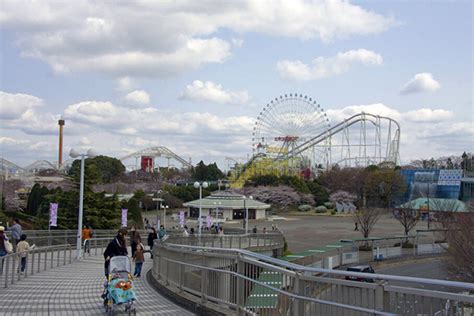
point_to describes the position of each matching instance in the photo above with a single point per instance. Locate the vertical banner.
(53, 214)
(158, 224)
(124, 217)
(181, 218)
(208, 221)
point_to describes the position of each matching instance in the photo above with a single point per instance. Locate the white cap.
(2, 229)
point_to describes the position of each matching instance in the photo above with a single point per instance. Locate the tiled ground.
(75, 289)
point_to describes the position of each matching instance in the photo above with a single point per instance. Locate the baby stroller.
(119, 286)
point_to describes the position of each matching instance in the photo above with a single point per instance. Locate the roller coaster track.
(158, 151)
(392, 143)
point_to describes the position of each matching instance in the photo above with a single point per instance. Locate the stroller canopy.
(119, 264)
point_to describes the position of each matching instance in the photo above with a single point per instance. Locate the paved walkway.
(75, 289)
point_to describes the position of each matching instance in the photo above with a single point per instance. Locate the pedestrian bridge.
(217, 275)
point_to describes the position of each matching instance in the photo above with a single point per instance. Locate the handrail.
(36, 260)
(255, 283)
(300, 268)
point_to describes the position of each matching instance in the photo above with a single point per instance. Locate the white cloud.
(323, 67)
(91, 36)
(237, 42)
(209, 91)
(85, 141)
(138, 97)
(420, 83)
(14, 105)
(124, 84)
(8, 141)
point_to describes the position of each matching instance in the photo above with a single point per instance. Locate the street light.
(75, 154)
(246, 213)
(200, 186)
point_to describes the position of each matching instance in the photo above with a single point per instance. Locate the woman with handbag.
(5, 247)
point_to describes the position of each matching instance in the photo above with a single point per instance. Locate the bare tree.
(460, 251)
(408, 217)
(366, 218)
(459, 235)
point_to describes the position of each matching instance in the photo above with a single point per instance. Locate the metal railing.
(262, 241)
(249, 283)
(36, 261)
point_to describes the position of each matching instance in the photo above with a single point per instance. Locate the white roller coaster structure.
(294, 127)
(156, 152)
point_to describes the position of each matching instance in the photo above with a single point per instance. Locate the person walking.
(86, 235)
(4, 247)
(117, 247)
(162, 232)
(152, 236)
(137, 239)
(22, 248)
(254, 230)
(16, 232)
(356, 228)
(139, 258)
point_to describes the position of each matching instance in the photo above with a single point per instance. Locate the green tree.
(135, 213)
(203, 172)
(34, 199)
(100, 169)
(319, 192)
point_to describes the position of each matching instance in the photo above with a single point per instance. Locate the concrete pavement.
(75, 289)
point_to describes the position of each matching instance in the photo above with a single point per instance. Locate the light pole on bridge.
(75, 154)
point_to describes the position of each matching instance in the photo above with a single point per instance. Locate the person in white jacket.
(22, 249)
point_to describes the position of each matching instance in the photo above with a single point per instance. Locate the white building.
(228, 206)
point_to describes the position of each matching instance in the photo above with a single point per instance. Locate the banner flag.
(53, 214)
(124, 217)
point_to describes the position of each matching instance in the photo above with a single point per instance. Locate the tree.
(100, 169)
(34, 199)
(203, 172)
(134, 212)
(460, 236)
(366, 218)
(383, 186)
(319, 192)
(408, 218)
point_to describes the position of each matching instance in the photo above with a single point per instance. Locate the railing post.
(45, 259)
(204, 279)
(381, 299)
(64, 255)
(297, 303)
(32, 262)
(7, 264)
(13, 268)
(182, 270)
(240, 286)
(52, 259)
(39, 261)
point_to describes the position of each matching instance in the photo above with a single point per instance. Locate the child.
(139, 258)
(22, 248)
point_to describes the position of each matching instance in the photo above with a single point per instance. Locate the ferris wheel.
(288, 121)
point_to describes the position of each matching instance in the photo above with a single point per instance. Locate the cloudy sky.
(193, 75)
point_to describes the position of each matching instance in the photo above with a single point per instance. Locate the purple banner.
(124, 217)
(181, 218)
(209, 221)
(53, 214)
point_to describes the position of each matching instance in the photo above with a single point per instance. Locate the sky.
(194, 75)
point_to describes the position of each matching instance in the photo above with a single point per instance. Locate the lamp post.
(200, 186)
(158, 206)
(246, 213)
(75, 154)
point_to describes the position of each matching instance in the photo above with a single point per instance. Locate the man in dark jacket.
(117, 247)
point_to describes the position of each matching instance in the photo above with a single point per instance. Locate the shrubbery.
(321, 209)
